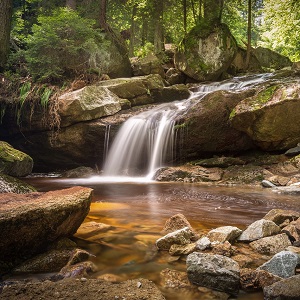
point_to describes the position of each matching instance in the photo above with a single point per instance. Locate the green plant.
(24, 92)
(143, 51)
(64, 44)
(45, 97)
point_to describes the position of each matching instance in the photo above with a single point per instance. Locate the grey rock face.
(180, 237)
(282, 264)
(272, 244)
(259, 229)
(213, 271)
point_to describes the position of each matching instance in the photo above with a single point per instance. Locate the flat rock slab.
(84, 289)
(30, 222)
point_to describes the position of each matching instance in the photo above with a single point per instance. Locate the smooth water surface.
(138, 211)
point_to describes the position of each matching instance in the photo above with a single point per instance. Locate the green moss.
(9, 154)
(264, 96)
(180, 126)
(232, 114)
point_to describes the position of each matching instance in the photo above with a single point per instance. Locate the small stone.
(139, 284)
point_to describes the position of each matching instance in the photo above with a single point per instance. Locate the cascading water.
(145, 142)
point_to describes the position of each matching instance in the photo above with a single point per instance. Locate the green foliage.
(24, 92)
(281, 27)
(143, 51)
(45, 97)
(64, 44)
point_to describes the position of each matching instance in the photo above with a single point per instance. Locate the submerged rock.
(29, 223)
(214, 271)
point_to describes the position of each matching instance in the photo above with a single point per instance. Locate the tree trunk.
(6, 7)
(71, 4)
(132, 31)
(249, 35)
(102, 18)
(158, 29)
(213, 11)
(184, 16)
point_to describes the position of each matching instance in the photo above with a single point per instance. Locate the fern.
(45, 97)
(24, 92)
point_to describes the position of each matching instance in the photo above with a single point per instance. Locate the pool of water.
(137, 212)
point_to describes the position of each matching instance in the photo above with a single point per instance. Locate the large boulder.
(150, 64)
(271, 116)
(271, 59)
(205, 53)
(214, 271)
(14, 162)
(206, 128)
(89, 103)
(29, 223)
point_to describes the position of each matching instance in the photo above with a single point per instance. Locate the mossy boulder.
(271, 59)
(14, 162)
(271, 116)
(205, 128)
(10, 184)
(149, 64)
(206, 52)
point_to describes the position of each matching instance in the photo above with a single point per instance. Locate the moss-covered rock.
(10, 184)
(271, 116)
(206, 52)
(14, 162)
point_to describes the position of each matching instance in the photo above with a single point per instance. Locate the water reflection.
(138, 211)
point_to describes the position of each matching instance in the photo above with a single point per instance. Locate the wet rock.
(29, 223)
(174, 76)
(180, 237)
(282, 264)
(76, 270)
(52, 261)
(203, 243)
(244, 261)
(14, 162)
(225, 233)
(174, 279)
(92, 228)
(278, 216)
(213, 271)
(221, 162)
(252, 280)
(259, 229)
(80, 172)
(292, 232)
(176, 222)
(225, 249)
(272, 244)
(171, 93)
(182, 249)
(288, 288)
(267, 184)
(293, 151)
(10, 184)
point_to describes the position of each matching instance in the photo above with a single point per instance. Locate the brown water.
(138, 212)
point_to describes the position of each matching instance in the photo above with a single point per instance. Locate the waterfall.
(145, 142)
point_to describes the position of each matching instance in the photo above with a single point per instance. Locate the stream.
(138, 211)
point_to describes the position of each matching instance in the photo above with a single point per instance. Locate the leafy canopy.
(64, 44)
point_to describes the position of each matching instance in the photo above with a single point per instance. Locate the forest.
(51, 41)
